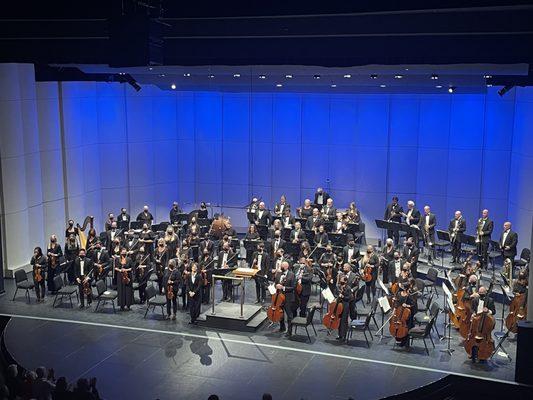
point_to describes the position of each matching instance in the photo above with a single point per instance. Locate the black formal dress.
(54, 254)
(145, 217)
(39, 263)
(393, 213)
(194, 285)
(125, 290)
(173, 276)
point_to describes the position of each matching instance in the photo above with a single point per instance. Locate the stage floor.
(159, 358)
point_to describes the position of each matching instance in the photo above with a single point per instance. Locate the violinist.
(305, 250)
(206, 266)
(339, 224)
(405, 299)
(123, 271)
(370, 267)
(38, 263)
(260, 261)
(387, 255)
(194, 293)
(352, 214)
(184, 263)
(276, 226)
(171, 284)
(54, 254)
(281, 207)
(314, 221)
(306, 211)
(327, 263)
(350, 253)
(112, 235)
(345, 295)
(287, 219)
(83, 267)
(226, 260)
(410, 254)
(142, 272)
(297, 234)
(71, 252)
(208, 244)
(279, 257)
(171, 240)
(193, 226)
(161, 257)
(304, 277)
(252, 233)
(352, 281)
(285, 282)
(146, 237)
(321, 237)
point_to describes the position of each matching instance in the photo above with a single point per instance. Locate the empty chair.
(425, 307)
(305, 322)
(431, 281)
(361, 325)
(359, 294)
(103, 295)
(64, 291)
(22, 282)
(154, 300)
(423, 332)
(424, 318)
(363, 312)
(420, 286)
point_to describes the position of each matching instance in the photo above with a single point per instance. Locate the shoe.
(173, 317)
(288, 334)
(257, 301)
(281, 330)
(81, 306)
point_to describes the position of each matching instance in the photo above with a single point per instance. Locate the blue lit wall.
(124, 148)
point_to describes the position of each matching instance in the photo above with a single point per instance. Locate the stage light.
(373, 76)
(262, 76)
(398, 76)
(211, 76)
(489, 84)
(288, 76)
(150, 68)
(439, 86)
(279, 85)
(122, 73)
(186, 74)
(173, 86)
(236, 75)
(434, 77)
(161, 75)
(316, 76)
(451, 89)
(505, 89)
(487, 76)
(333, 85)
(382, 86)
(347, 76)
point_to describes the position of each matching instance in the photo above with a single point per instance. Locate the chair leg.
(28, 295)
(426, 346)
(430, 338)
(97, 304)
(295, 329)
(369, 331)
(54, 303)
(146, 312)
(375, 322)
(309, 337)
(113, 304)
(313, 326)
(366, 339)
(15, 295)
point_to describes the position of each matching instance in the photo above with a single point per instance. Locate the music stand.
(293, 249)
(338, 239)
(469, 241)
(310, 236)
(136, 225)
(384, 295)
(286, 234)
(124, 225)
(328, 226)
(182, 217)
(263, 231)
(448, 307)
(446, 240)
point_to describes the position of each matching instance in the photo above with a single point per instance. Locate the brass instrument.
(479, 230)
(81, 230)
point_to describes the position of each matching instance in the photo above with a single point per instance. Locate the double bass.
(275, 310)
(332, 319)
(399, 322)
(517, 312)
(480, 336)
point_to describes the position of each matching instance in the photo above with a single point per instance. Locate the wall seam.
(63, 148)
(128, 185)
(480, 198)
(510, 163)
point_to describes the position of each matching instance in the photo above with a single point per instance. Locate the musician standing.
(304, 277)
(161, 258)
(484, 230)
(370, 260)
(109, 221)
(412, 218)
(410, 255)
(508, 242)
(456, 228)
(171, 283)
(142, 272)
(38, 263)
(285, 281)
(145, 216)
(206, 265)
(226, 260)
(146, 237)
(350, 254)
(321, 197)
(262, 216)
(395, 268)
(123, 216)
(387, 255)
(393, 213)
(71, 252)
(194, 292)
(123, 267)
(54, 254)
(174, 213)
(345, 295)
(111, 234)
(261, 262)
(277, 242)
(297, 234)
(83, 267)
(427, 226)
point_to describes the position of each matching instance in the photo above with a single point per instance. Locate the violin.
(275, 310)
(332, 319)
(38, 273)
(170, 290)
(517, 312)
(125, 276)
(367, 273)
(87, 287)
(480, 335)
(398, 326)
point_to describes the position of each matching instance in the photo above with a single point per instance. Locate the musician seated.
(352, 214)
(252, 233)
(488, 307)
(123, 216)
(350, 253)
(202, 212)
(277, 226)
(109, 221)
(520, 284)
(396, 265)
(470, 288)
(321, 237)
(306, 210)
(83, 267)
(313, 221)
(287, 219)
(175, 211)
(297, 234)
(328, 211)
(230, 231)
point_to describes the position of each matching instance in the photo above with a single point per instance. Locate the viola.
(87, 287)
(170, 291)
(517, 312)
(398, 327)
(332, 319)
(367, 273)
(275, 310)
(480, 336)
(38, 273)
(125, 277)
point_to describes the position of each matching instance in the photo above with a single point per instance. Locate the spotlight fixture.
(451, 89)
(186, 75)
(161, 75)
(489, 84)
(316, 76)
(279, 85)
(382, 86)
(347, 76)
(262, 76)
(487, 76)
(333, 85)
(288, 76)
(398, 76)
(439, 86)
(434, 77)
(150, 68)
(236, 75)
(173, 86)
(211, 76)
(373, 76)
(122, 73)
(505, 89)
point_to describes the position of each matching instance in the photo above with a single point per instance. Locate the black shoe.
(288, 334)
(82, 306)
(257, 301)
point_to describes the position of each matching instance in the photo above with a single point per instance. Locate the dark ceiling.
(247, 33)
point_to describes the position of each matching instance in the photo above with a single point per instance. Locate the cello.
(517, 312)
(398, 327)
(480, 336)
(332, 319)
(275, 310)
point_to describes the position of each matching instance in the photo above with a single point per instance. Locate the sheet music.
(383, 287)
(480, 306)
(450, 305)
(326, 294)
(446, 290)
(449, 297)
(384, 303)
(272, 289)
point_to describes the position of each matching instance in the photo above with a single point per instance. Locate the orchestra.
(315, 244)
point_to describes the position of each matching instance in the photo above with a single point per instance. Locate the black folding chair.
(305, 322)
(22, 282)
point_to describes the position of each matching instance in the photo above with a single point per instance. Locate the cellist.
(346, 296)
(520, 284)
(285, 282)
(405, 298)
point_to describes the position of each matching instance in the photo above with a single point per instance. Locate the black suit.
(300, 236)
(278, 211)
(109, 238)
(511, 241)
(277, 244)
(145, 218)
(174, 215)
(456, 240)
(483, 245)
(306, 277)
(345, 255)
(410, 254)
(413, 221)
(102, 257)
(123, 217)
(88, 266)
(263, 217)
(289, 284)
(429, 237)
(393, 213)
(321, 238)
(392, 270)
(194, 284)
(325, 198)
(230, 262)
(313, 222)
(329, 213)
(263, 267)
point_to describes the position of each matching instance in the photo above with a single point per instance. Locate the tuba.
(81, 230)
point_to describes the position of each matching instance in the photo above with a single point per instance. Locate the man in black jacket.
(427, 226)
(393, 213)
(123, 216)
(321, 197)
(456, 228)
(100, 258)
(508, 242)
(145, 216)
(82, 267)
(262, 215)
(174, 212)
(304, 277)
(484, 229)
(410, 254)
(285, 282)
(260, 261)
